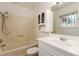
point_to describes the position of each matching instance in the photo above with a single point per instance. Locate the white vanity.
(53, 45)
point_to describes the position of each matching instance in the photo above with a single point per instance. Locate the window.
(69, 20)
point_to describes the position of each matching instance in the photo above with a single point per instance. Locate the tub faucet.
(2, 46)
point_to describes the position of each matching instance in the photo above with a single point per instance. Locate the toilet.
(33, 51)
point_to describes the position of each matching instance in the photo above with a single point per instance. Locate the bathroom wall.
(21, 26)
(64, 10)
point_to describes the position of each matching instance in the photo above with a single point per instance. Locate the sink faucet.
(63, 38)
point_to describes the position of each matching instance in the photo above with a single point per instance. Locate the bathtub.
(17, 51)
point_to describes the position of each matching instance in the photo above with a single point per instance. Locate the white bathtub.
(16, 52)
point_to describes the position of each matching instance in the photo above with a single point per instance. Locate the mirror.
(66, 18)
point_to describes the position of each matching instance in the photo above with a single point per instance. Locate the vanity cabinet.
(45, 21)
(46, 49)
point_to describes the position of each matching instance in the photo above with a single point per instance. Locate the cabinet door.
(48, 21)
(45, 50)
(49, 50)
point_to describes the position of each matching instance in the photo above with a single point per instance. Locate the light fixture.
(58, 3)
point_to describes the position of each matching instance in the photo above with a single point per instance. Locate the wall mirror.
(66, 19)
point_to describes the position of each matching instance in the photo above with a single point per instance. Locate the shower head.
(5, 14)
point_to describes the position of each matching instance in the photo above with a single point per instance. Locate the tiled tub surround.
(21, 26)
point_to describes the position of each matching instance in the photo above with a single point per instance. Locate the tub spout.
(2, 46)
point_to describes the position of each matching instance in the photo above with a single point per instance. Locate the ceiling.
(33, 5)
(58, 6)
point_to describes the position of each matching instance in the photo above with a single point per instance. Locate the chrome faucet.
(63, 38)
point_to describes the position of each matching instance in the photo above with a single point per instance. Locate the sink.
(59, 41)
